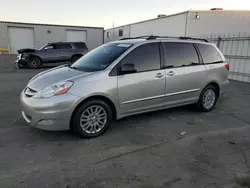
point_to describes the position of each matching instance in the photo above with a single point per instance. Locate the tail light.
(227, 66)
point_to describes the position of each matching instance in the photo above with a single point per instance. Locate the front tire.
(17, 66)
(92, 118)
(208, 99)
(34, 63)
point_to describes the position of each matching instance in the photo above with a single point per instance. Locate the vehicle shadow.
(38, 134)
(116, 127)
(143, 119)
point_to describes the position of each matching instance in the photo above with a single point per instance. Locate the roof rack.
(153, 37)
(140, 37)
(193, 38)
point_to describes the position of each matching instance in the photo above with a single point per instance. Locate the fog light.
(46, 122)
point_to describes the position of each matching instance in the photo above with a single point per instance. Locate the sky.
(102, 13)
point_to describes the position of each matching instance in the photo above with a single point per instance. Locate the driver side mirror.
(128, 68)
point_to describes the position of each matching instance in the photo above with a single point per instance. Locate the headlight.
(25, 56)
(19, 56)
(55, 89)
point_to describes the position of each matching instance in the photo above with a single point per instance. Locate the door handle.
(159, 75)
(171, 73)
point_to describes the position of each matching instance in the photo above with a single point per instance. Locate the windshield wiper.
(72, 67)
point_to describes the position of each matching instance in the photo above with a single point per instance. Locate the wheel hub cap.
(209, 98)
(93, 119)
(34, 63)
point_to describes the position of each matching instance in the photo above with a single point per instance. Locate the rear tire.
(208, 99)
(34, 63)
(92, 118)
(75, 58)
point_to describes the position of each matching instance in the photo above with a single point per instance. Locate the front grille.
(29, 92)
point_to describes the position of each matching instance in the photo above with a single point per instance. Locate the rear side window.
(180, 54)
(64, 46)
(80, 45)
(49, 47)
(209, 53)
(145, 57)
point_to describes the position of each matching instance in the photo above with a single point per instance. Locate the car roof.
(130, 41)
(170, 39)
(65, 42)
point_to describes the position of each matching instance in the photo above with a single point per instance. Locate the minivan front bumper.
(49, 114)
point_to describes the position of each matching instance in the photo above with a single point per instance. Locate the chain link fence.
(236, 48)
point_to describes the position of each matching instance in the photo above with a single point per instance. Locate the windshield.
(101, 57)
(42, 47)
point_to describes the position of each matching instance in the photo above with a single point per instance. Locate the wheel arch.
(216, 85)
(99, 97)
(76, 55)
(34, 55)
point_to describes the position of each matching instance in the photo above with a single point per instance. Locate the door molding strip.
(182, 92)
(160, 96)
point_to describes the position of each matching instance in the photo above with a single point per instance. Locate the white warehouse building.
(189, 23)
(14, 35)
(229, 29)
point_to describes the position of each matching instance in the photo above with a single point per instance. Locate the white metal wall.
(237, 52)
(76, 36)
(160, 26)
(114, 33)
(217, 22)
(236, 48)
(51, 33)
(20, 37)
(169, 26)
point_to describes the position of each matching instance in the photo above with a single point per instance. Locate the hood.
(53, 76)
(25, 50)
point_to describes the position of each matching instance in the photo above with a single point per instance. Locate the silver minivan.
(124, 78)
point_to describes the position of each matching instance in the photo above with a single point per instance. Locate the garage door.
(76, 36)
(20, 38)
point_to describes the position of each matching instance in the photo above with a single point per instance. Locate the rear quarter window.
(180, 54)
(64, 46)
(80, 45)
(209, 53)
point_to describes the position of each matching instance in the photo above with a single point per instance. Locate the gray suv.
(124, 78)
(51, 53)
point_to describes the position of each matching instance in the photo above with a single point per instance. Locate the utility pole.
(113, 29)
(186, 24)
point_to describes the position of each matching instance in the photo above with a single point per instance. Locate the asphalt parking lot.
(170, 148)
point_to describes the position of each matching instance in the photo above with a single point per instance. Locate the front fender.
(94, 85)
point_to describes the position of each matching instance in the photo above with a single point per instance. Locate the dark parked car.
(51, 53)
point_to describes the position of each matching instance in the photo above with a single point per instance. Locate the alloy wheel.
(34, 63)
(209, 98)
(93, 119)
